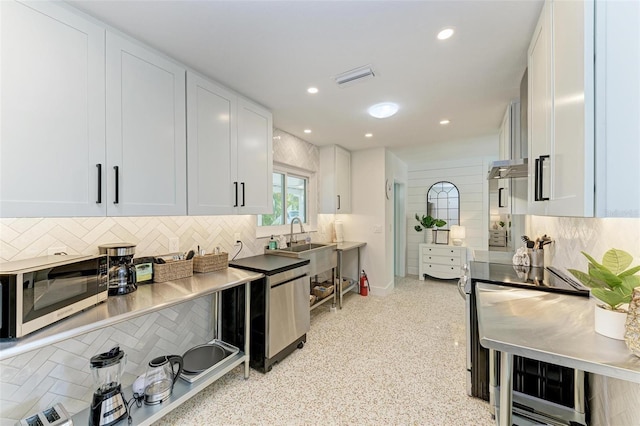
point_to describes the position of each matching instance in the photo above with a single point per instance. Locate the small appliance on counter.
(108, 405)
(122, 272)
(52, 416)
(160, 378)
(144, 269)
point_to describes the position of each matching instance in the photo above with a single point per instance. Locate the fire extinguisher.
(364, 284)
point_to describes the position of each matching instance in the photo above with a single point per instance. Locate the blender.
(122, 271)
(108, 405)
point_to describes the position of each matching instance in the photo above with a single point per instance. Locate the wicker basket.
(322, 290)
(210, 262)
(172, 270)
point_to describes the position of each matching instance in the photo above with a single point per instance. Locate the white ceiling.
(271, 51)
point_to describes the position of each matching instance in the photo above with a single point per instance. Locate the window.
(291, 198)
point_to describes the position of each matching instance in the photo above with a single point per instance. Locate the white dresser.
(441, 261)
(498, 237)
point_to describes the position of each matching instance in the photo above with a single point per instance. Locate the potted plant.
(428, 222)
(612, 283)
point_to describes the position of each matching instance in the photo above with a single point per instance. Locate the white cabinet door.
(254, 159)
(211, 132)
(52, 112)
(343, 180)
(572, 153)
(335, 180)
(146, 132)
(540, 113)
(618, 109)
(504, 139)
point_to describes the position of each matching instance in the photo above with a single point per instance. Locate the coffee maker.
(122, 272)
(108, 405)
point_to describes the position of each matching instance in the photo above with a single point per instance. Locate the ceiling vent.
(354, 75)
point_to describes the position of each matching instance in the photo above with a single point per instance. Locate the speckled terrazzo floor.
(398, 359)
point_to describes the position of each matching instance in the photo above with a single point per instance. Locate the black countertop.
(544, 279)
(268, 264)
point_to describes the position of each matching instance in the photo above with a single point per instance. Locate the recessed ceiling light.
(312, 90)
(443, 122)
(307, 130)
(383, 110)
(368, 135)
(445, 34)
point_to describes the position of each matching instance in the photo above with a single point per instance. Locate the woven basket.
(172, 270)
(210, 262)
(322, 290)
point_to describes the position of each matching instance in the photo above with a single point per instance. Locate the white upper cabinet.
(335, 180)
(52, 112)
(229, 151)
(617, 109)
(146, 132)
(584, 135)
(540, 112)
(211, 132)
(254, 159)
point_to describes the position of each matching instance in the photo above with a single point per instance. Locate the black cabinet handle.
(235, 186)
(117, 169)
(338, 202)
(99, 200)
(536, 181)
(500, 197)
(542, 158)
(242, 205)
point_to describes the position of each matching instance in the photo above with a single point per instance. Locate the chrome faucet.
(291, 234)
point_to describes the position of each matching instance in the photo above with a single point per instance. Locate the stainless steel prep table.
(549, 327)
(341, 248)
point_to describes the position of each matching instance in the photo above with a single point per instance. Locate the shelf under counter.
(146, 299)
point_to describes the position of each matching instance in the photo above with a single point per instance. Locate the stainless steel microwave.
(35, 293)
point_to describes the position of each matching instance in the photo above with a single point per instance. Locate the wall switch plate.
(174, 244)
(59, 249)
(377, 229)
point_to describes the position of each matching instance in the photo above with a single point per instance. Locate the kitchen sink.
(323, 257)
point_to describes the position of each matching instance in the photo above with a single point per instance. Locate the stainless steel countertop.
(550, 327)
(349, 245)
(146, 299)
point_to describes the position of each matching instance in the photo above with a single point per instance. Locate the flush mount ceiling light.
(383, 110)
(312, 90)
(368, 135)
(307, 131)
(354, 75)
(444, 122)
(445, 34)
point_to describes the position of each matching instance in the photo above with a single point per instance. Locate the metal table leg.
(340, 277)
(247, 327)
(506, 388)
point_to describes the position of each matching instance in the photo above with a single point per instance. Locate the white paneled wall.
(469, 175)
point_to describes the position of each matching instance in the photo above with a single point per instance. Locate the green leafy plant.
(428, 222)
(501, 223)
(610, 281)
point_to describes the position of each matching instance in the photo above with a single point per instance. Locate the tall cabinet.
(52, 123)
(146, 132)
(584, 140)
(229, 151)
(335, 179)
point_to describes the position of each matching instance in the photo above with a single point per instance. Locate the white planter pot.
(428, 236)
(610, 323)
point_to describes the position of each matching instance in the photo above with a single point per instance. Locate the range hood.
(517, 167)
(504, 169)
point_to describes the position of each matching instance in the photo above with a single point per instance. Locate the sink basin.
(299, 248)
(323, 257)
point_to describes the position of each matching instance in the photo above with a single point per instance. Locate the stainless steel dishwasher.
(288, 318)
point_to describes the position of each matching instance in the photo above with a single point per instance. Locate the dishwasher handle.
(287, 281)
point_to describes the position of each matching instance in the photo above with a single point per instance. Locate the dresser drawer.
(441, 251)
(441, 260)
(442, 271)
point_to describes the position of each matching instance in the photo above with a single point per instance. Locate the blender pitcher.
(108, 406)
(160, 378)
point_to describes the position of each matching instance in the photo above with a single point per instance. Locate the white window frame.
(311, 225)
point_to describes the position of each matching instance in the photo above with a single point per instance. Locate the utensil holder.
(210, 262)
(536, 258)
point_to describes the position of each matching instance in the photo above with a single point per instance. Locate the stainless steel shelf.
(321, 302)
(182, 391)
